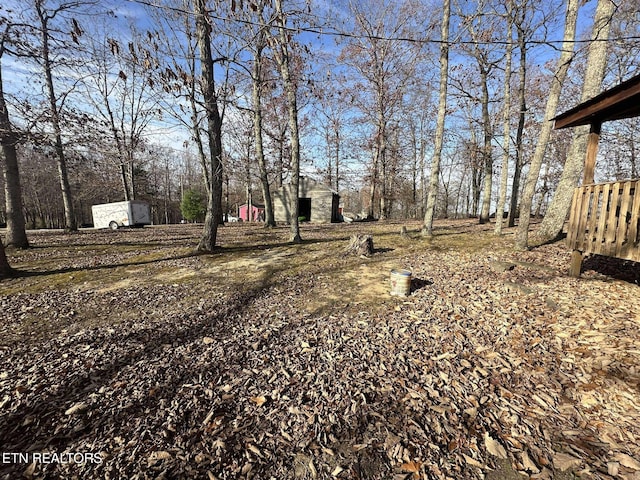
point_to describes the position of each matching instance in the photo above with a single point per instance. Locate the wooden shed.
(253, 214)
(316, 202)
(605, 217)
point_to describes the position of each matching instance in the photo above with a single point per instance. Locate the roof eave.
(621, 101)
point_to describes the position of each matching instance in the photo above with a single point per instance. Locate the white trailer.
(121, 214)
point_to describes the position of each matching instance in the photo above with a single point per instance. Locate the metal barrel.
(400, 282)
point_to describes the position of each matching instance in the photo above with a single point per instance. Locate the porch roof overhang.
(621, 101)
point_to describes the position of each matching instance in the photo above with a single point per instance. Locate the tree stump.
(360, 245)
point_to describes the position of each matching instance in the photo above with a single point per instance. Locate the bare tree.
(282, 53)
(332, 109)
(257, 77)
(556, 214)
(506, 122)
(16, 234)
(385, 66)
(482, 26)
(519, 23)
(530, 18)
(434, 178)
(568, 41)
(214, 129)
(120, 92)
(45, 16)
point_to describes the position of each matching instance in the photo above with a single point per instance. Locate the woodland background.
(116, 88)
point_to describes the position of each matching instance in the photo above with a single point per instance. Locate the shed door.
(304, 208)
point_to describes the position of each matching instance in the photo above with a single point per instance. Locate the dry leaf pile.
(215, 380)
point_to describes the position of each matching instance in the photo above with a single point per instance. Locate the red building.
(257, 213)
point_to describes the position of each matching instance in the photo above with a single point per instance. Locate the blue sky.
(19, 76)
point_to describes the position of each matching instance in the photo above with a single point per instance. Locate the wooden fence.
(605, 220)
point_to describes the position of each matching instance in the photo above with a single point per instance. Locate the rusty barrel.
(400, 282)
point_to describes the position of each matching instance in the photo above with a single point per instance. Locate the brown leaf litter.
(268, 360)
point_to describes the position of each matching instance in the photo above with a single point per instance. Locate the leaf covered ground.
(268, 360)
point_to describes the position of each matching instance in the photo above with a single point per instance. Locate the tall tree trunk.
(487, 155)
(292, 106)
(522, 102)
(427, 228)
(67, 201)
(522, 235)
(257, 123)
(280, 159)
(476, 172)
(337, 157)
(506, 124)
(16, 234)
(556, 214)
(372, 188)
(381, 154)
(118, 141)
(132, 174)
(125, 183)
(214, 130)
(543, 191)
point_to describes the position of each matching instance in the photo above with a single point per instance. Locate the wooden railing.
(605, 220)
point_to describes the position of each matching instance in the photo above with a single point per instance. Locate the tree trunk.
(427, 228)
(372, 188)
(522, 82)
(337, 157)
(522, 235)
(214, 131)
(67, 201)
(269, 219)
(118, 140)
(556, 214)
(292, 106)
(16, 234)
(506, 124)
(5, 269)
(381, 156)
(487, 155)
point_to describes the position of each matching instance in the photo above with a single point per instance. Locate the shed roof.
(621, 101)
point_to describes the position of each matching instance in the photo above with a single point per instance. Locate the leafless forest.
(109, 102)
(195, 348)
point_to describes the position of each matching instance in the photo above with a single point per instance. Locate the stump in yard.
(360, 245)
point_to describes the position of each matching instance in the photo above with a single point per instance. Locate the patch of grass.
(250, 255)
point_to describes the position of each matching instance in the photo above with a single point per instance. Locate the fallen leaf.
(255, 450)
(259, 401)
(158, 456)
(494, 447)
(627, 461)
(77, 408)
(473, 462)
(410, 467)
(563, 461)
(528, 463)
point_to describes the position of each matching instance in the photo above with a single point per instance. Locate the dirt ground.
(138, 358)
